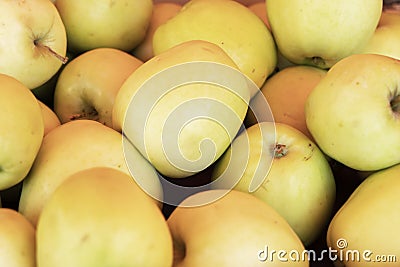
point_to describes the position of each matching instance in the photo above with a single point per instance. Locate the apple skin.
(100, 217)
(299, 183)
(99, 23)
(369, 220)
(87, 86)
(229, 232)
(17, 240)
(21, 132)
(353, 112)
(321, 33)
(29, 30)
(386, 37)
(246, 40)
(50, 119)
(69, 148)
(161, 13)
(147, 129)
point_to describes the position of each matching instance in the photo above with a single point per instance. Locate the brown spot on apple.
(280, 150)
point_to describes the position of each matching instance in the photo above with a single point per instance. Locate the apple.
(115, 24)
(50, 119)
(161, 13)
(366, 226)
(87, 86)
(281, 166)
(72, 147)
(182, 108)
(353, 113)
(17, 240)
(321, 33)
(100, 217)
(386, 36)
(246, 40)
(34, 41)
(237, 229)
(260, 9)
(286, 92)
(21, 131)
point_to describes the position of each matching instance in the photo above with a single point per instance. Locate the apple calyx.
(63, 59)
(179, 252)
(395, 104)
(92, 114)
(318, 61)
(280, 150)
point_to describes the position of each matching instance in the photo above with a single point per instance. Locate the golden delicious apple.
(162, 12)
(386, 38)
(17, 240)
(353, 112)
(365, 230)
(88, 85)
(235, 230)
(320, 33)
(33, 41)
(50, 119)
(228, 24)
(292, 175)
(182, 108)
(286, 93)
(100, 217)
(69, 148)
(92, 24)
(21, 132)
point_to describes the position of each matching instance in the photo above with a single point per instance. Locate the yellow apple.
(33, 41)
(386, 37)
(50, 119)
(100, 217)
(286, 93)
(182, 108)
(21, 131)
(287, 171)
(246, 40)
(162, 12)
(92, 24)
(86, 88)
(238, 229)
(69, 148)
(322, 33)
(364, 230)
(17, 240)
(353, 112)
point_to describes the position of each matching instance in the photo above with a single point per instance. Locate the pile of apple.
(198, 133)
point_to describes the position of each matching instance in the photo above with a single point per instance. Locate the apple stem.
(64, 60)
(280, 150)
